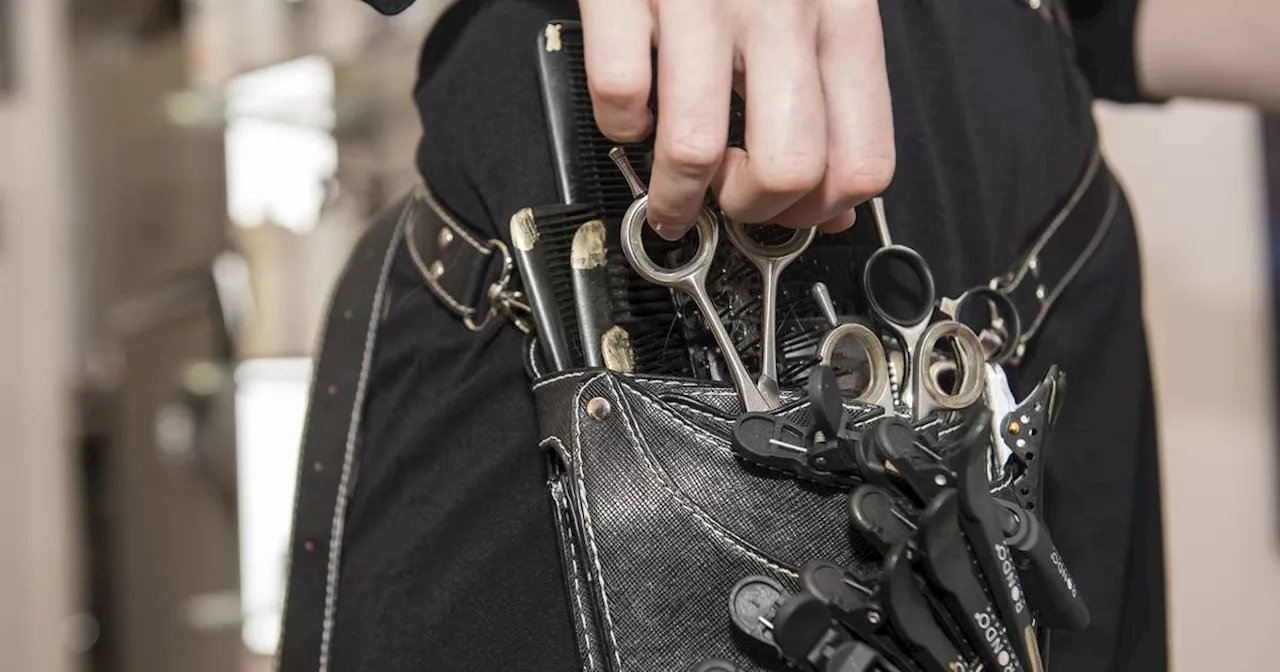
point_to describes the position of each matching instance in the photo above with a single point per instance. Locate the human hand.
(819, 134)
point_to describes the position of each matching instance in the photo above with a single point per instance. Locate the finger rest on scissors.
(694, 270)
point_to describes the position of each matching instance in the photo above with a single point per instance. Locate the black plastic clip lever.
(898, 442)
(912, 619)
(1052, 590)
(876, 515)
(949, 566)
(1026, 431)
(980, 518)
(849, 603)
(776, 443)
(858, 657)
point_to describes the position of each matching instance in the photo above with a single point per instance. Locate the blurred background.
(180, 181)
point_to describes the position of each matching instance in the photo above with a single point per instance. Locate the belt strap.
(470, 275)
(1055, 256)
(331, 436)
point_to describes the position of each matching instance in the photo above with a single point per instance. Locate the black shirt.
(449, 561)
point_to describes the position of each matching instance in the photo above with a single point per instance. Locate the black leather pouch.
(658, 519)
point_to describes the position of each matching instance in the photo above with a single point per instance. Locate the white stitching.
(573, 558)
(340, 505)
(306, 431)
(533, 358)
(594, 552)
(703, 518)
(411, 226)
(577, 597)
(424, 190)
(553, 379)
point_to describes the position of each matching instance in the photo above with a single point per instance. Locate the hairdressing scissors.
(691, 278)
(900, 293)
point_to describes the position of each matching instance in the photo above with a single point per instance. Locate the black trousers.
(448, 560)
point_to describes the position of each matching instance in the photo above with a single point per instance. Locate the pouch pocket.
(659, 520)
(573, 563)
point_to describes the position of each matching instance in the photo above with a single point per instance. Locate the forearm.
(1224, 49)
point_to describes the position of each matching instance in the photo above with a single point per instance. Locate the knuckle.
(694, 151)
(864, 177)
(619, 87)
(791, 173)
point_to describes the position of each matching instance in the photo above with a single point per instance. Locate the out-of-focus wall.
(38, 587)
(1194, 172)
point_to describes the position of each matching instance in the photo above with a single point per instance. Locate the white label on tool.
(994, 633)
(1062, 570)
(1010, 578)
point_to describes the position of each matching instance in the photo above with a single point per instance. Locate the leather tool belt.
(657, 518)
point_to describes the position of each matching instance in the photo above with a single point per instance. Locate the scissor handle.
(1004, 309)
(969, 355)
(877, 387)
(784, 252)
(692, 271)
(877, 267)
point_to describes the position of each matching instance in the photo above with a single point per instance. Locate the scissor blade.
(770, 390)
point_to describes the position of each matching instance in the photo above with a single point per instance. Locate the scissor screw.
(873, 617)
(940, 480)
(1014, 427)
(599, 408)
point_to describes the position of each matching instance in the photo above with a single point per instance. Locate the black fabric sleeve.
(389, 6)
(1104, 34)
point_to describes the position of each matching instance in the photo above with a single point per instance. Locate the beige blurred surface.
(38, 554)
(1194, 172)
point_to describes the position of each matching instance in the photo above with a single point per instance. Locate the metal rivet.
(309, 545)
(1014, 427)
(333, 389)
(318, 466)
(1022, 443)
(873, 617)
(599, 408)
(940, 479)
(446, 237)
(436, 270)
(348, 314)
(1033, 264)
(1040, 292)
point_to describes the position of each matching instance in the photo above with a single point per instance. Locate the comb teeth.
(600, 180)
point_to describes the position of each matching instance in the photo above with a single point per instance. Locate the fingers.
(786, 136)
(695, 77)
(859, 114)
(819, 137)
(838, 223)
(617, 38)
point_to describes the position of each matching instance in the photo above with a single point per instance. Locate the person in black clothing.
(974, 120)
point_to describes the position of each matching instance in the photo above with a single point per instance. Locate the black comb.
(585, 174)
